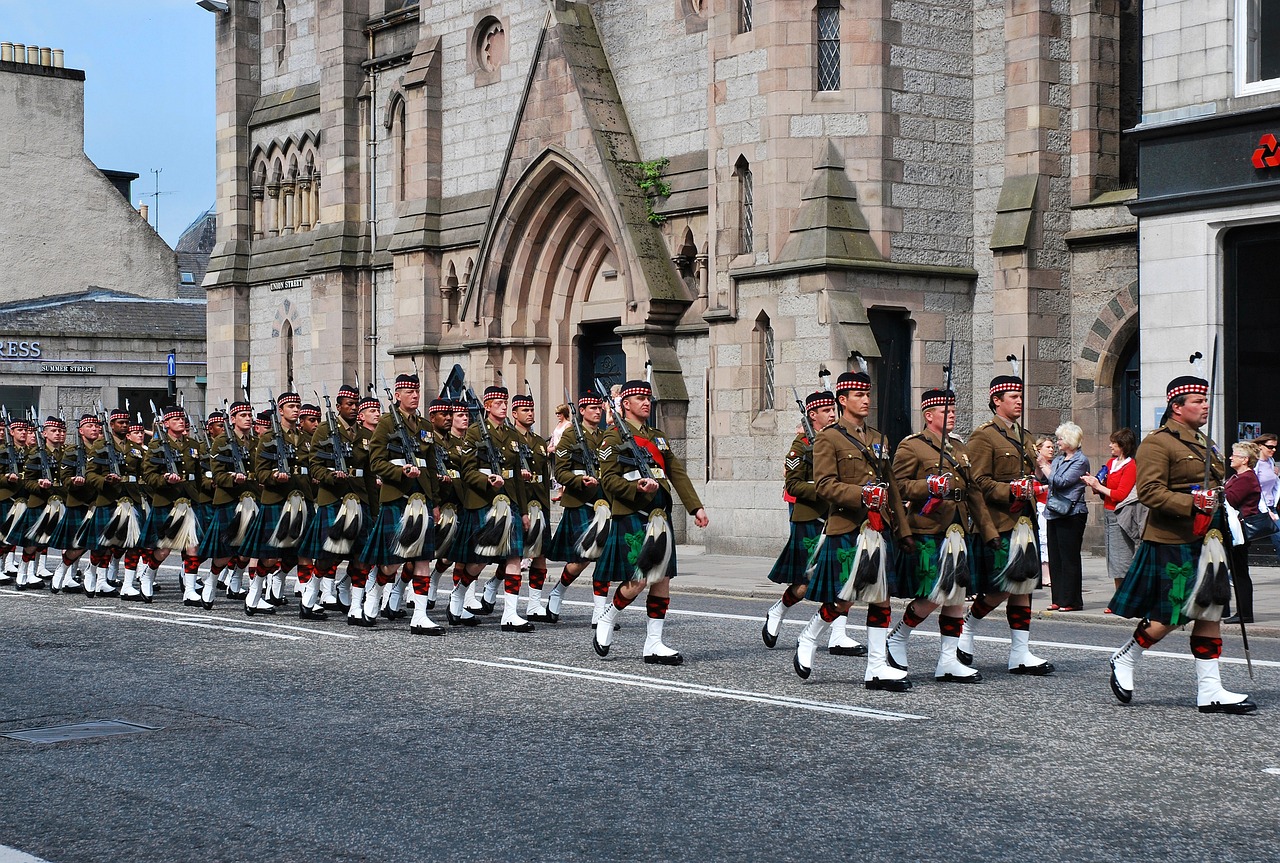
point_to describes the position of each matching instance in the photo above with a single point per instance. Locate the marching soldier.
(1004, 465)
(402, 455)
(584, 525)
(341, 516)
(808, 514)
(854, 561)
(306, 585)
(235, 497)
(71, 534)
(13, 460)
(537, 509)
(135, 570)
(946, 511)
(368, 415)
(440, 412)
(42, 482)
(1179, 574)
(172, 471)
(281, 469)
(638, 471)
(492, 526)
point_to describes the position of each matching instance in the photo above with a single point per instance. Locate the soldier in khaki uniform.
(637, 476)
(440, 412)
(367, 488)
(175, 490)
(1004, 466)
(808, 515)
(852, 473)
(537, 506)
(947, 515)
(577, 470)
(1169, 576)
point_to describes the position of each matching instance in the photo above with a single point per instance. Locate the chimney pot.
(142, 211)
(6, 51)
(57, 58)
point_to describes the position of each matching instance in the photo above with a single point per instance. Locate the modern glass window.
(1257, 46)
(828, 44)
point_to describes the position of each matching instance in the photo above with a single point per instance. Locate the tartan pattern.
(214, 544)
(987, 564)
(101, 518)
(792, 563)
(381, 541)
(572, 523)
(918, 570)
(255, 539)
(150, 532)
(618, 560)
(1158, 583)
(834, 564)
(312, 544)
(18, 536)
(66, 532)
(463, 548)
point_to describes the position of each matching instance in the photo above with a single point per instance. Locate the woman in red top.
(1113, 484)
(1244, 492)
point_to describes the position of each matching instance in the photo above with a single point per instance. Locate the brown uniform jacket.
(387, 458)
(997, 461)
(225, 488)
(188, 462)
(539, 488)
(473, 464)
(915, 460)
(570, 470)
(331, 488)
(1170, 461)
(798, 479)
(841, 469)
(620, 477)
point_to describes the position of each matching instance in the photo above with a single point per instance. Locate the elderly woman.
(1113, 484)
(1065, 516)
(1243, 493)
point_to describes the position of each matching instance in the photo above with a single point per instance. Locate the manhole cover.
(79, 731)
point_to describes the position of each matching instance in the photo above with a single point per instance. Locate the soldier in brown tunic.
(1004, 462)
(947, 514)
(1179, 574)
(853, 475)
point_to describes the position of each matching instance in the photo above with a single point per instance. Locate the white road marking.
(992, 639)
(20, 594)
(600, 676)
(151, 619)
(248, 622)
(13, 855)
(1274, 771)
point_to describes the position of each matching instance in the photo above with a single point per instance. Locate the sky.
(149, 87)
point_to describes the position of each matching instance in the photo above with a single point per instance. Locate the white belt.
(654, 473)
(358, 472)
(506, 474)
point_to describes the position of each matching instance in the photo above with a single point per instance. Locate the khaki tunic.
(915, 460)
(998, 460)
(798, 480)
(569, 469)
(842, 469)
(619, 478)
(1171, 460)
(383, 460)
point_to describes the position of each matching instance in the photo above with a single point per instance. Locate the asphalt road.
(282, 740)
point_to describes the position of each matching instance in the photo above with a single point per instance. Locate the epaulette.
(955, 436)
(916, 436)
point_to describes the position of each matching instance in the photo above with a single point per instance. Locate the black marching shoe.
(663, 659)
(770, 639)
(250, 611)
(458, 620)
(426, 630)
(305, 613)
(888, 684)
(965, 658)
(518, 627)
(366, 622)
(485, 607)
(1240, 708)
(857, 650)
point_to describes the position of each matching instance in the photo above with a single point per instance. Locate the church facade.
(736, 192)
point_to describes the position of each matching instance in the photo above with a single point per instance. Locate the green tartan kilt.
(792, 564)
(833, 564)
(383, 536)
(101, 518)
(312, 544)
(573, 522)
(64, 536)
(918, 570)
(18, 536)
(470, 521)
(150, 532)
(214, 538)
(618, 560)
(990, 563)
(255, 543)
(1158, 582)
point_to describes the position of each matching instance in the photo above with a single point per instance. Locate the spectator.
(1243, 493)
(1066, 514)
(562, 423)
(1266, 471)
(1113, 484)
(1044, 459)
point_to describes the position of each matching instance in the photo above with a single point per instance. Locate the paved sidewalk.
(730, 575)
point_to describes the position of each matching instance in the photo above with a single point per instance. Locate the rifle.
(410, 452)
(11, 452)
(522, 449)
(946, 405)
(82, 458)
(588, 457)
(166, 449)
(335, 437)
(109, 445)
(42, 451)
(643, 458)
(282, 452)
(804, 415)
(491, 451)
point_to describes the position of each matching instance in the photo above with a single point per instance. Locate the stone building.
(736, 191)
(91, 299)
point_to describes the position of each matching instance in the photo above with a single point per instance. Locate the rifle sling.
(876, 465)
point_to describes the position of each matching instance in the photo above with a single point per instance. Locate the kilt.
(572, 523)
(64, 536)
(1158, 582)
(990, 562)
(792, 564)
(833, 565)
(381, 540)
(215, 533)
(312, 544)
(150, 532)
(918, 570)
(469, 523)
(255, 539)
(618, 560)
(18, 536)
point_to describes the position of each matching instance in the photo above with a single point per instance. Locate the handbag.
(1257, 526)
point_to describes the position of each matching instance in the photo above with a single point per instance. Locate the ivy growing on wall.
(648, 176)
